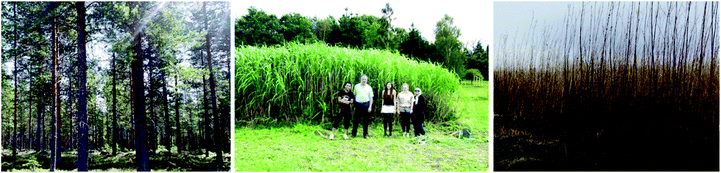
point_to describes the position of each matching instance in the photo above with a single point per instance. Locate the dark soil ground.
(604, 144)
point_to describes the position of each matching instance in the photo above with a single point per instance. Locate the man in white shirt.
(364, 103)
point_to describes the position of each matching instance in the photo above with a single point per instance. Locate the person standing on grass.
(389, 108)
(345, 99)
(405, 107)
(364, 102)
(419, 111)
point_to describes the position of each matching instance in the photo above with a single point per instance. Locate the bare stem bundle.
(647, 70)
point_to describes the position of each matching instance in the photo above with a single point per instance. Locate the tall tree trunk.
(151, 96)
(176, 96)
(166, 136)
(115, 108)
(206, 119)
(38, 124)
(216, 122)
(15, 73)
(42, 135)
(82, 161)
(55, 149)
(141, 148)
(30, 120)
(166, 141)
(70, 106)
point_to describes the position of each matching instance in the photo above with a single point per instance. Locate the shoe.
(345, 136)
(331, 136)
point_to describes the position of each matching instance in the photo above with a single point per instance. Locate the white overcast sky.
(473, 18)
(515, 17)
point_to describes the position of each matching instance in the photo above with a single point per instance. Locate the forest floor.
(307, 147)
(31, 161)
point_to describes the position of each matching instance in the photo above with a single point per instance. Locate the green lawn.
(306, 148)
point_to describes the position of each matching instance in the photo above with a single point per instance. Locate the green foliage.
(478, 59)
(32, 163)
(414, 45)
(295, 27)
(168, 33)
(288, 83)
(322, 28)
(361, 31)
(473, 73)
(448, 45)
(258, 28)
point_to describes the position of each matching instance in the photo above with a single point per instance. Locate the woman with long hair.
(388, 108)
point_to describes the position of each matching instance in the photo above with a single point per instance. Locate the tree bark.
(141, 148)
(176, 96)
(152, 139)
(15, 73)
(166, 136)
(216, 122)
(115, 108)
(82, 161)
(55, 152)
(206, 119)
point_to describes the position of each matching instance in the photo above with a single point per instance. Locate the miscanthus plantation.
(297, 83)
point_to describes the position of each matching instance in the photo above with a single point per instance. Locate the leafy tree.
(322, 28)
(478, 59)
(295, 27)
(387, 31)
(414, 45)
(448, 45)
(258, 28)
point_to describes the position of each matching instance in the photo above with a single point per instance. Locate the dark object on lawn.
(466, 133)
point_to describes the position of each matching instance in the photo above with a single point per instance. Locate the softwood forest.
(614, 86)
(114, 86)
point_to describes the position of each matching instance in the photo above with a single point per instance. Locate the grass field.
(306, 147)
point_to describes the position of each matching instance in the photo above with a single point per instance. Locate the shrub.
(470, 73)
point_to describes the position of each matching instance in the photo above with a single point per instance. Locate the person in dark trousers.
(345, 100)
(388, 108)
(363, 105)
(419, 111)
(405, 107)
